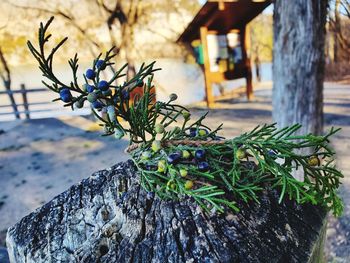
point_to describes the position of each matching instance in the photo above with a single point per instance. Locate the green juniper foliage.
(179, 157)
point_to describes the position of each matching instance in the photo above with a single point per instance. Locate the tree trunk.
(298, 63)
(110, 218)
(257, 67)
(336, 31)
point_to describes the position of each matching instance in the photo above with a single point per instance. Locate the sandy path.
(41, 158)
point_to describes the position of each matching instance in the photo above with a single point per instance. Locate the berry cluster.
(177, 162)
(181, 161)
(97, 90)
(104, 96)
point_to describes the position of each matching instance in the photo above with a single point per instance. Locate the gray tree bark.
(110, 218)
(298, 63)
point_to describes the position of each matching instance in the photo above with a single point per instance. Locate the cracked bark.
(108, 218)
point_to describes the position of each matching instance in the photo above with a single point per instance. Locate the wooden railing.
(25, 105)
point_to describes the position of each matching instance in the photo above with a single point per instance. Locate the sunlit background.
(45, 148)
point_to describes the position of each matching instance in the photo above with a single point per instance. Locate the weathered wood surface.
(94, 221)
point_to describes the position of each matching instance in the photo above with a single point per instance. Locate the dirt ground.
(41, 158)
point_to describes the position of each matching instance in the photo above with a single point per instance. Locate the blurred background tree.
(298, 63)
(261, 34)
(337, 41)
(139, 29)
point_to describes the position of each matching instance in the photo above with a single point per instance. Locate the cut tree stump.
(110, 218)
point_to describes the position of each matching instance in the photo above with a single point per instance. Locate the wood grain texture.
(110, 218)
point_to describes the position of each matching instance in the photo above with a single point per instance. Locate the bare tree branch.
(6, 73)
(346, 7)
(65, 16)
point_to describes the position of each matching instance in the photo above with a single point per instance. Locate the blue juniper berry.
(90, 74)
(203, 166)
(89, 88)
(100, 64)
(199, 154)
(65, 95)
(97, 105)
(193, 132)
(103, 85)
(174, 158)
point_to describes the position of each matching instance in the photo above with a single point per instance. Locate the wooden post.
(249, 77)
(188, 234)
(208, 83)
(221, 5)
(7, 83)
(25, 101)
(13, 102)
(246, 49)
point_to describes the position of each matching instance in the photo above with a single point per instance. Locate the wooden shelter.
(218, 37)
